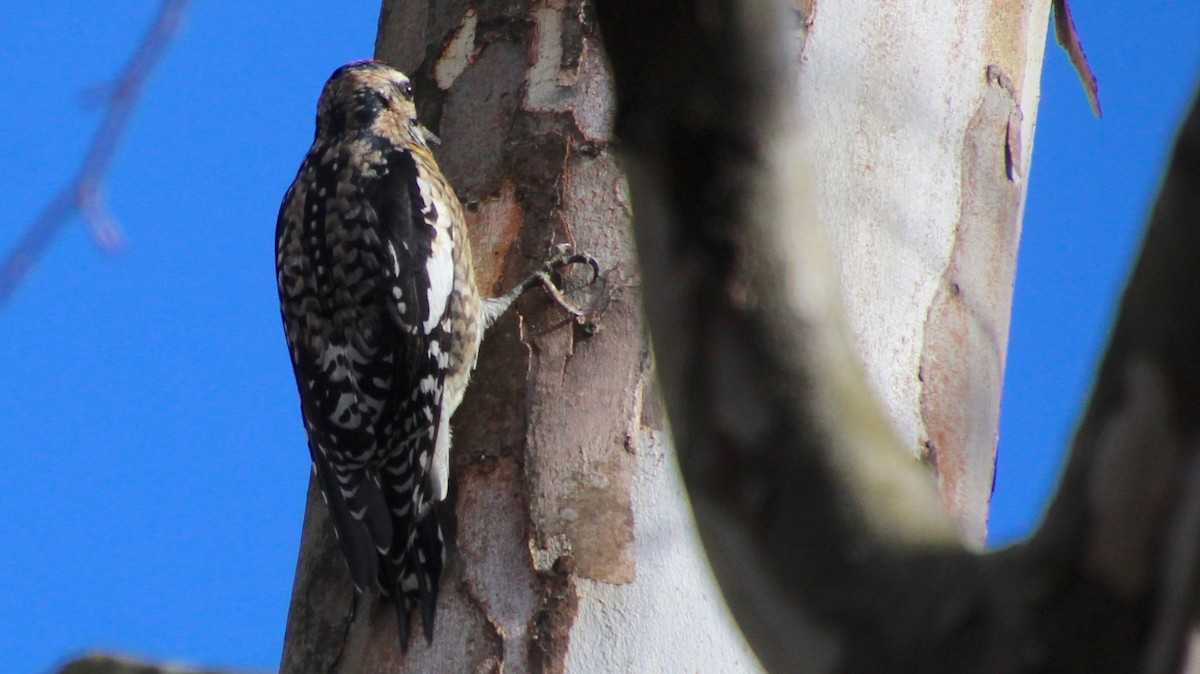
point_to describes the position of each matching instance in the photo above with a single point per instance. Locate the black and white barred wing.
(421, 284)
(331, 357)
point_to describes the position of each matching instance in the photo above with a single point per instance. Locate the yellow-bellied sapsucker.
(383, 321)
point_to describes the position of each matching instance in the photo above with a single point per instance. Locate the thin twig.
(85, 194)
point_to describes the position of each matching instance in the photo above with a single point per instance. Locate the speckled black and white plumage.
(383, 322)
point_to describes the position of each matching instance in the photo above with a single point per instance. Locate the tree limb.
(816, 525)
(1125, 513)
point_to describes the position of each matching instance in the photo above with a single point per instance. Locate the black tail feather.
(402, 619)
(354, 538)
(416, 583)
(411, 569)
(426, 559)
(363, 494)
(389, 583)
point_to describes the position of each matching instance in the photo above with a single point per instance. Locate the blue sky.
(153, 463)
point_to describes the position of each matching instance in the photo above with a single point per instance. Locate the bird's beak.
(430, 137)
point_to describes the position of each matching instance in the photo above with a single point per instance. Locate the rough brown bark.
(830, 546)
(544, 450)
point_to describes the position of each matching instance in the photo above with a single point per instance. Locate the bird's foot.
(563, 255)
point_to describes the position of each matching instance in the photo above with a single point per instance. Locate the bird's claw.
(562, 255)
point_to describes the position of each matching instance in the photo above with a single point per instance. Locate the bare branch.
(1126, 511)
(85, 194)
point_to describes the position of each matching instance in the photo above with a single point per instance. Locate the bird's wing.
(416, 234)
(333, 352)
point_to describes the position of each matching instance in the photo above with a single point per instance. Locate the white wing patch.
(440, 472)
(440, 267)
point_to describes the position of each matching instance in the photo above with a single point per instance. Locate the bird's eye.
(406, 89)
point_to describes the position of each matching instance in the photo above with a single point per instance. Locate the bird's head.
(369, 96)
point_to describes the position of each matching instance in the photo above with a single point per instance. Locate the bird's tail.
(423, 571)
(360, 517)
(415, 569)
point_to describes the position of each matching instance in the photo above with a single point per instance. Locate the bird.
(383, 322)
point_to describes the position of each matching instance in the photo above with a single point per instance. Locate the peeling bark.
(1068, 38)
(569, 551)
(904, 127)
(966, 328)
(543, 534)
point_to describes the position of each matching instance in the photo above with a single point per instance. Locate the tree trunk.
(830, 545)
(572, 546)
(921, 139)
